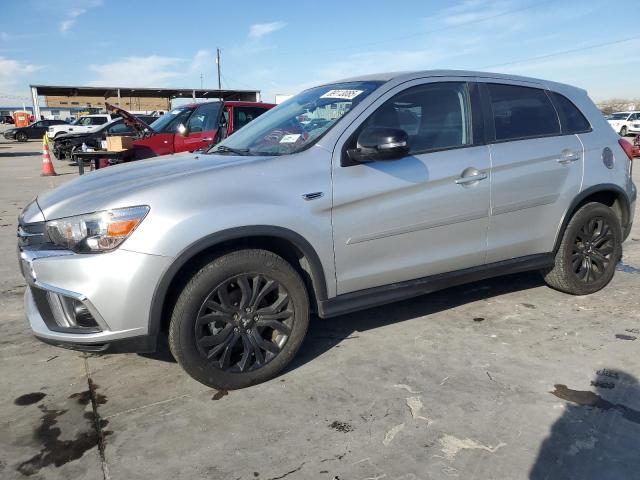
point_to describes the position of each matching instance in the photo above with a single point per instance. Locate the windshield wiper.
(225, 149)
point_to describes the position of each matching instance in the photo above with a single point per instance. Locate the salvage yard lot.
(486, 381)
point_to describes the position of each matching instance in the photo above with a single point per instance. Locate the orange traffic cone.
(47, 165)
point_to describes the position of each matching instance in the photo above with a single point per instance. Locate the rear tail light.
(627, 147)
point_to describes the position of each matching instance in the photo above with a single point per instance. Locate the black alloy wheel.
(239, 319)
(593, 249)
(590, 247)
(244, 323)
(21, 137)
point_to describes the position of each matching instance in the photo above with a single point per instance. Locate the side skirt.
(373, 297)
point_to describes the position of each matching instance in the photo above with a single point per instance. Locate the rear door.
(202, 128)
(243, 114)
(536, 170)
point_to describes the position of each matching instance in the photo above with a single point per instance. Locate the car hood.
(115, 186)
(67, 136)
(129, 119)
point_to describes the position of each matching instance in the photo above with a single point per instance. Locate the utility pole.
(218, 63)
(201, 77)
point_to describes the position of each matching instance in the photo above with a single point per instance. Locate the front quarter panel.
(264, 191)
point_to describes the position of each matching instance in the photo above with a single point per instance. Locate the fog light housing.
(71, 313)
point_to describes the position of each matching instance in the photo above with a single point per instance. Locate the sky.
(282, 47)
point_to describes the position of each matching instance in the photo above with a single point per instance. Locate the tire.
(591, 247)
(228, 351)
(21, 137)
(623, 132)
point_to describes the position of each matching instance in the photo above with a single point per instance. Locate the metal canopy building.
(118, 93)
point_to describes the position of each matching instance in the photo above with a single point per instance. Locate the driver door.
(201, 129)
(420, 215)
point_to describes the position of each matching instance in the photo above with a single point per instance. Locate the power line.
(422, 33)
(564, 52)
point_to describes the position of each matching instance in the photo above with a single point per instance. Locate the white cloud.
(258, 30)
(154, 71)
(150, 71)
(75, 12)
(14, 76)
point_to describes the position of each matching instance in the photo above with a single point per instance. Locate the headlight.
(98, 231)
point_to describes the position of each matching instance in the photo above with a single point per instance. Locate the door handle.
(465, 180)
(567, 157)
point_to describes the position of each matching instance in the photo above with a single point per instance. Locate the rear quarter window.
(571, 118)
(522, 112)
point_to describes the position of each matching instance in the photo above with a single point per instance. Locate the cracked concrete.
(542, 386)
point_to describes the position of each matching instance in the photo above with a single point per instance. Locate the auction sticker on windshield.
(342, 94)
(290, 138)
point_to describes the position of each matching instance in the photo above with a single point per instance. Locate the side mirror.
(380, 144)
(182, 130)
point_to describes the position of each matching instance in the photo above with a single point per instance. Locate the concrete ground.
(501, 379)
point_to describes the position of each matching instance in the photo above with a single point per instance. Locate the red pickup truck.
(191, 127)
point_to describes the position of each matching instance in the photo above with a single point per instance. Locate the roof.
(405, 76)
(112, 91)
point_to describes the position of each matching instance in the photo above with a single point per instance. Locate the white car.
(82, 124)
(622, 122)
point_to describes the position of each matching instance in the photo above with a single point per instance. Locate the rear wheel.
(239, 320)
(590, 248)
(21, 137)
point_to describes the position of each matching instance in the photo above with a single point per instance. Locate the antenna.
(218, 63)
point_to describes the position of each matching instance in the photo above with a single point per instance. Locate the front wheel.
(590, 249)
(239, 320)
(21, 137)
(623, 132)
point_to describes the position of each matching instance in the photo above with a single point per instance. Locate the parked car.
(82, 124)
(65, 144)
(35, 130)
(228, 252)
(195, 126)
(634, 126)
(7, 119)
(621, 122)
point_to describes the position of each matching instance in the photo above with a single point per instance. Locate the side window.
(204, 118)
(522, 112)
(571, 119)
(243, 115)
(172, 126)
(434, 115)
(119, 128)
(98, 120)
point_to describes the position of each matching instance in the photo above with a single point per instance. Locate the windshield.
(618, 116)
(300, 121)
(169, 121)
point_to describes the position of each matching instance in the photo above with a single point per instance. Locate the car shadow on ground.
(325, 334)
(598, 435)
(19, 154)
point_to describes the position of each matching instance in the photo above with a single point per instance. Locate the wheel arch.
(608, 194)
(284, 242)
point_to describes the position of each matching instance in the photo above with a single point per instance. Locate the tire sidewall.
(21, 137)
(199, 288)
(584, 214)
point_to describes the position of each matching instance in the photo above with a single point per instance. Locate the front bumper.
(116, 288)
(9, 135)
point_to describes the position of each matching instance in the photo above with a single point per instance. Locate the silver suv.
(349, 195)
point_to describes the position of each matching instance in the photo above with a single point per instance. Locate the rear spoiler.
(130, 120)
